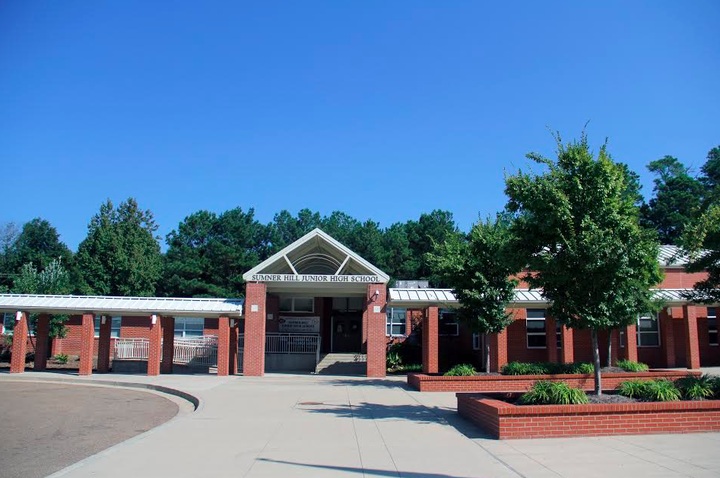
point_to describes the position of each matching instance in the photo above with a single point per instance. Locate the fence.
(132, 349)
(196, 351)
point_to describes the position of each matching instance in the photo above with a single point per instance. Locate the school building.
(317, 306)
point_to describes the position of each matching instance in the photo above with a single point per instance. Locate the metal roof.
(122, 305)
(670, 256)
(426, 297)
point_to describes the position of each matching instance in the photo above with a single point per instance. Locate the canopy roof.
(128, 306)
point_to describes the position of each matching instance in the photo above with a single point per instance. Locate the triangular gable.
(316, 253)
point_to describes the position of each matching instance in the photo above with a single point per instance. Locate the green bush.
(546, 368)
(630, 366)
(581, 367)
(61, 358)
(413, 367)
(553, 393)
(632, 388)
(696, 388)
(392, 360)
(661, 391)
(462, 370)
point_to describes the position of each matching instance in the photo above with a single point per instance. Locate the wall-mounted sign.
(366, 279)
(299, 325)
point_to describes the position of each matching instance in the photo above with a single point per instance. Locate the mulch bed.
(610, 398)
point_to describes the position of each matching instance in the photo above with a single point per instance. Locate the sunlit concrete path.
(302, 425)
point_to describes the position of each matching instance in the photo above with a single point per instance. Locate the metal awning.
(128, 306)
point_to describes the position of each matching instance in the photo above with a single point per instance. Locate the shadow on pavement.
(362, 471)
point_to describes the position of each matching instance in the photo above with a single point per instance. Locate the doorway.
(346, 332)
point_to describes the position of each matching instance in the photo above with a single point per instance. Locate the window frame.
(7, 316)
(114, 332)
(477, 341)
(441, 312)
(640, 332)
(712, 315)
(184, 321)
(389, 324)
(293, 309)
(536, 334)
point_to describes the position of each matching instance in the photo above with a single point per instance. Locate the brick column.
(631, 343)
(103, 361)
(430, 340)
(498, 351)
(254, 348)
(668, 337)
(87, 343)
(168, 344)
(155, 348)
(692, 348)
(374, 309)
(567, 354)
(551, 339)
(19, 346)
(42, 332)
(223, 353)
(234, 330)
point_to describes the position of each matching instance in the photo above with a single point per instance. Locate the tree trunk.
(486, 347)
(596, 362)
(609, 349)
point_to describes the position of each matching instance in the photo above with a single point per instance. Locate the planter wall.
(503, 420)
(521, 383)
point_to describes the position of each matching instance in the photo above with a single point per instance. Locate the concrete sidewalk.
(300, 425)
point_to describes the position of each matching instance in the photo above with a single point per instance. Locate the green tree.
(9, 233)
(677, 199)
(397, 258)
(208, 254)
(423, 234)
(286, 229)
(578, 229)
(479, 268)
(710, 178)
(120, 255)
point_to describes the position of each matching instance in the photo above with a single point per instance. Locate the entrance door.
(347, 332)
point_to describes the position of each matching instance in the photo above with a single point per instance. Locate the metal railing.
(196, 351)
(132, 349)
(291, 343)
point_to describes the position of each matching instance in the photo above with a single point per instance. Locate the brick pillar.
(430, 337)
(42, 332)
(692, 348)
(87, 344)
(567, 354)
(56, 346)
(19, 346)
(155, 348)
(168, 344)
(254, 348)
(103, 361)
(668, 337)
(223, 353)
(374, 310)
(498, 351)
(615, 337)
(551, 339)
(234, 331)
(631, 352)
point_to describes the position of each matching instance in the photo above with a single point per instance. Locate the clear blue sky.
(380, 109)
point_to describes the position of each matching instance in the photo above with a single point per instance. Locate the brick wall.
(506, 421)
(376, 329)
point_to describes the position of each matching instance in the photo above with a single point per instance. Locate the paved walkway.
(294, 425)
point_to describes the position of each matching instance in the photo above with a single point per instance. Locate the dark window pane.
(536, 340)
(535, 313)
(713, 338)
(535, 325)
(711, 312)
(648, 324)
(649, 340)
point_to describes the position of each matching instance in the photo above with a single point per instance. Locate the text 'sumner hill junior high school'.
(317, 305)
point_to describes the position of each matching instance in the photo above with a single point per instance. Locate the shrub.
(632, 388)
(553, 393)
(61, 358)
(630, 366)
(462, 370)
(546, 368)
(660, 391)
(393, 360)
(581, 367)
(413, 367)
(696, 388)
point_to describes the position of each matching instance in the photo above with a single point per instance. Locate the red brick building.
(316, 304)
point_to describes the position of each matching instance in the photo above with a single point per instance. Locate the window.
(712, 326)
(395, 321)
(648, 331)
(189, 326)
(447, 323)
(114, 327)
(8, 323)
(297, 304)
(622, 338)
(347, 304)
(558, 334)
(477, 341)
(535, 327)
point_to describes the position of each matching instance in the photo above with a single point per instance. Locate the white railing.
(196, 351)
(132, 349)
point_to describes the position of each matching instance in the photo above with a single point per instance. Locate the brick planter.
(503, 420)
(521, 383)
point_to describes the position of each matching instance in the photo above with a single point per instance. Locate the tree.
(710, 178)
(208, 254)
(479, 268)
(120, 255)
(286, 229)
(702, 242)
(9, 233)
(677, 201)
(578, 230)
(423, 234)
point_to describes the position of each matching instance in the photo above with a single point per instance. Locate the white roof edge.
(317, 232)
